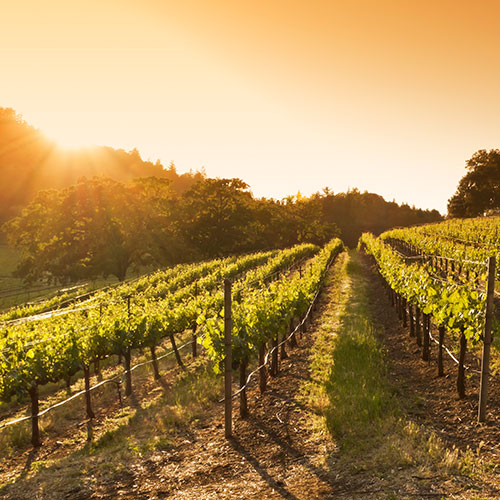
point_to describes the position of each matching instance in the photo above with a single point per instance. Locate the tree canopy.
(355, 212)
(98, 211)
(83, 231)
(479, 189)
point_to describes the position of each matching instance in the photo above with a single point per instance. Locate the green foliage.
(469, 242)
(9, 259)
(217, 216)
(259, 315)
(455, 305)
(355, 212)
(479, 189)
(101, 227)
(87, 230)
(166, 303)
(137, 212)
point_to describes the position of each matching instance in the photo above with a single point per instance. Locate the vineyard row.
(464, 312)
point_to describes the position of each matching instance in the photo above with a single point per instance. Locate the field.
(8, 261)
(14, 292)
(344, 401)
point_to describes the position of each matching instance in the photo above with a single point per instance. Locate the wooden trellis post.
(228, 401)
(485, 364)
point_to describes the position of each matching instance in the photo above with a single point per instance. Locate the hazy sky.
(391, 96)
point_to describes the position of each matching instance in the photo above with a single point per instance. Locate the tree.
(161, 207)
(479, 189)
(304, 221)
(355, 212)
(216, 217)
(93, 228)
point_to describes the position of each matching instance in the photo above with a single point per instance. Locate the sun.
(68, 130)
(65, 141)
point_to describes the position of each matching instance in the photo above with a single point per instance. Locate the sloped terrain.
(422, 444)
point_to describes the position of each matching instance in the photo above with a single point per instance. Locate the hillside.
(332, 424)
(29, 162)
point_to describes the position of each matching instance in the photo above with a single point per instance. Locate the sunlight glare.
(67, 130)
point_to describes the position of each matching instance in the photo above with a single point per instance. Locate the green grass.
(9, 258)
(360, 398)
(13, 292)
(359, 395)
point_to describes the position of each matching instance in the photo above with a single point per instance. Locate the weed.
(163, 443)
(39, 465)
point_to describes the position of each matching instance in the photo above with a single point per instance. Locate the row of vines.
(259, 322)
(433, 278)
(55, 346)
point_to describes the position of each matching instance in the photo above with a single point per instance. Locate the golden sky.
(392, 96)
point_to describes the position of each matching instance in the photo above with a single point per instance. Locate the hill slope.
(169, 443)
(29, 162)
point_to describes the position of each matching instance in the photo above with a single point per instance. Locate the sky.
(389, 96)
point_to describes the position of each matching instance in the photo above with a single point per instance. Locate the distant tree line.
(101, 227)
(355, 212)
